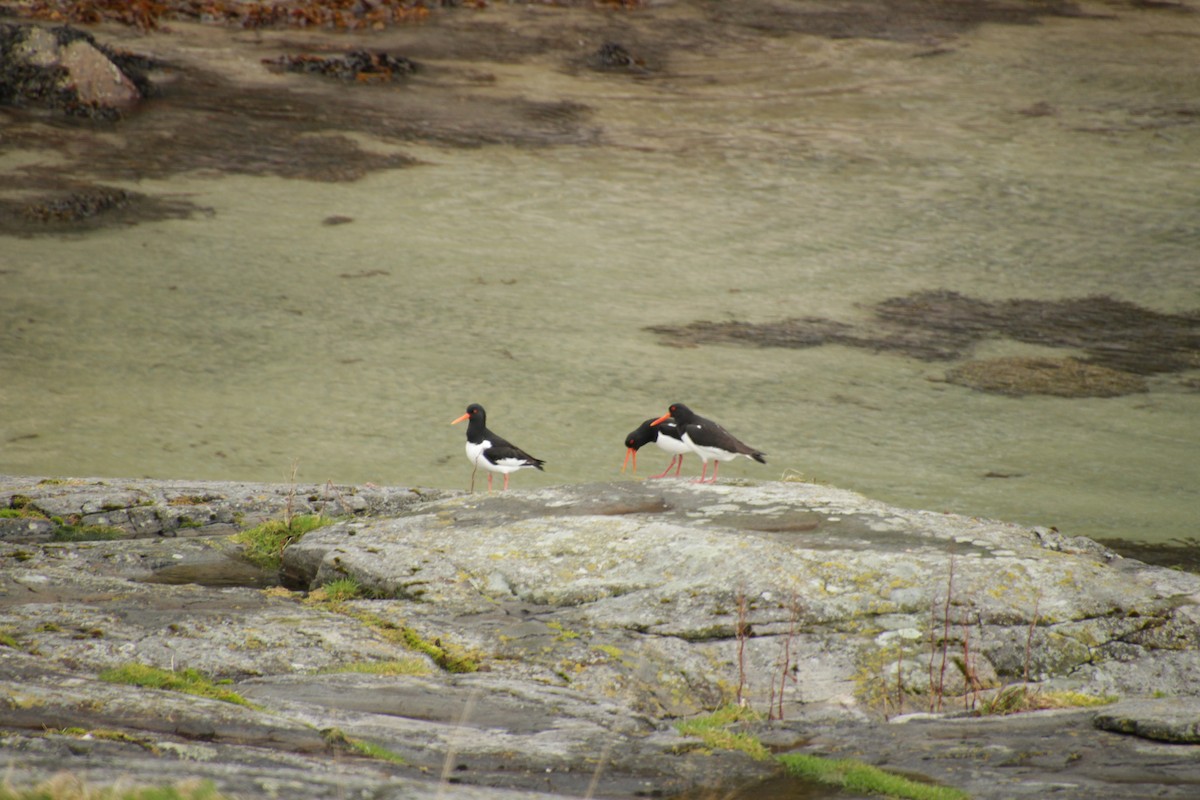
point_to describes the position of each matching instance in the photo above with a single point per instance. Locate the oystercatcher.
(707, 439)
(486, 449)
(665, 435)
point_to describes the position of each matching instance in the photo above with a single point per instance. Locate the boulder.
(815, 593)
(65, 68)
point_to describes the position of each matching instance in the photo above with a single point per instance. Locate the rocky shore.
(548, 642)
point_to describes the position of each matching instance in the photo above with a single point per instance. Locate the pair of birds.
(680, 431)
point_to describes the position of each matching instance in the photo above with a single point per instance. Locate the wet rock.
(1177, 553)
(1168, 719)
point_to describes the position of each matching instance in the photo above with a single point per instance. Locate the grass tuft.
(71, 787)
(855, 776)
(343, 589)
(87, 533)
(334, 737)
(188, 681)
(1019, 698)
(264, 543)
(446, 656)
(713, 730)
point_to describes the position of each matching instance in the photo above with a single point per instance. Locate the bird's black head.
(475, 414)
(645, 434)
(682, 414)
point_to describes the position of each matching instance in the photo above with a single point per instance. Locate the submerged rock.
(358, 65)
(1060, 377)
(1121, 342)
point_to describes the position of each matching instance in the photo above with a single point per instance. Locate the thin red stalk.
(1029, 636)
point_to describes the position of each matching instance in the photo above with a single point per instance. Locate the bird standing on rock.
(486, 449)
(666, 435)
(708, 440)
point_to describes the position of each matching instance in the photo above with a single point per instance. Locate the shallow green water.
(812, 178)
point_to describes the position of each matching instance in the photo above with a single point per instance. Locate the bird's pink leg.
(473, 471)
(703, 470)
(489, 481)
(678, 466)
(505, 482)
(668, 469)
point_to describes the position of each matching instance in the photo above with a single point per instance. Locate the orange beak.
(663, 418)
(628, 454)
(460, 419)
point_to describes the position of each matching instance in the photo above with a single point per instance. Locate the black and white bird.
(486, 449)
(708, 440)
(666, 434)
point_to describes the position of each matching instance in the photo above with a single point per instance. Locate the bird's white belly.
(709, 453)
(504, 466)
(475, 454)
(672, 445)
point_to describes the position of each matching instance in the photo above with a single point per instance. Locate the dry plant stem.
(783, 671)
(968, 669)
(786, 666)
(290, 509)
(741, 640)
(596, 773)
(331, 489)
(456, 737)
(771, 701)
(933, 604)
(610, 741)
(1029, 636)
(941, 681)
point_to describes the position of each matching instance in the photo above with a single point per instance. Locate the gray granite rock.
(852, 590)
(1166, 719)
(593, 617)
